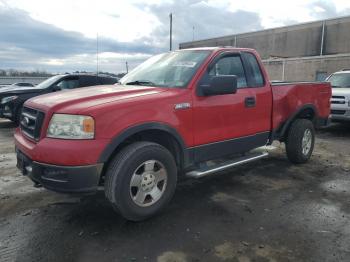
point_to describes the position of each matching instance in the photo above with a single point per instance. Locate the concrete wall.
(307, 68)
(291, 41)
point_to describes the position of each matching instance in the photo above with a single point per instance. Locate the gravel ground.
(269, 210)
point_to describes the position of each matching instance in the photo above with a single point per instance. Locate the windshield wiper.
(140, 83)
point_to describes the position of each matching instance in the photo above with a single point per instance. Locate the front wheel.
(141, 180)
(300, 141)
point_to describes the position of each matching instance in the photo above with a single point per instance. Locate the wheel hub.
(148, 182)
(306, 142)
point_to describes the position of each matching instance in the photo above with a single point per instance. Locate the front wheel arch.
(155, 132)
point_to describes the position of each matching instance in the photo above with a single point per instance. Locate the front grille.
(31, 122)
(339, 97)
(337, 112)
(340, 100)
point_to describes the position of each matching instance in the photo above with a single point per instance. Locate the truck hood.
(86, 97)
(341, 91)
(19, 90)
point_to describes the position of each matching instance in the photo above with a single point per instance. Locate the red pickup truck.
(166, 118)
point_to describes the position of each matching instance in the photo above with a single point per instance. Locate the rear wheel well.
(306, 113)
(160, 137)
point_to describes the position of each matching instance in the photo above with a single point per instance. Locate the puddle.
(171, 256)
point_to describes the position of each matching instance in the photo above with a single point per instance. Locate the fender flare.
(282, 129)
(120, 138)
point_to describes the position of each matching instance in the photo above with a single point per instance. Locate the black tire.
(121, 170)
(294, 141)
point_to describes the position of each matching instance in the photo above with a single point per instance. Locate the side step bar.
(220, 167)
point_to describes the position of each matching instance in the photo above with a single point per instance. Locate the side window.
(107, 80)
(230, 65)
(69, 83)
(88, 81)
(255, 69)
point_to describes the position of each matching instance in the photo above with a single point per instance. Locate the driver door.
(223, 124)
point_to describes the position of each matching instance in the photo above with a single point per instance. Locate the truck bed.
(291, 97)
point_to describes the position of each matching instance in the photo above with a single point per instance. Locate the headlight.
(8, 99)
(71, 127)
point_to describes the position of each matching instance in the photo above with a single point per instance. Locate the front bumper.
(65, 179)
(340, 114)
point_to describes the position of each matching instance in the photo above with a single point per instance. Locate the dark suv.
(12, 98)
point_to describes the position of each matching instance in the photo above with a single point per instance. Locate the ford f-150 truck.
(166, 118)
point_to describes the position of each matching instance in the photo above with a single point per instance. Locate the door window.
(230, 65)
(68, 83)
(255, 70)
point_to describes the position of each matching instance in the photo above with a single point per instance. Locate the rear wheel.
(141, 180)
(300, 141)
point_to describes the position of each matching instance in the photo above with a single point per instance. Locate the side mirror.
(220, 85)
(56, 88)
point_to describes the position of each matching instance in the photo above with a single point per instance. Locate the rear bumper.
(65, 179)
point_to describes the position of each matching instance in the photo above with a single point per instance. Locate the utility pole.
(193, 33)
(127, 67)
(322, 37)
(171, 31)
(97, 54)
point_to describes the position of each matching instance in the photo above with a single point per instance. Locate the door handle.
(250, 101)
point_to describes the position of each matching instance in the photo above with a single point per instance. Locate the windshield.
(340, 80)
(48, 82)
(173, 69)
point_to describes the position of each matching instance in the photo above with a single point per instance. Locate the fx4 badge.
(182, 106)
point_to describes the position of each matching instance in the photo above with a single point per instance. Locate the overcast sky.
(60, 35)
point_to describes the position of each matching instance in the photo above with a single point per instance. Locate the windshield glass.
(173, 69)
(340, 80)
(48, 82)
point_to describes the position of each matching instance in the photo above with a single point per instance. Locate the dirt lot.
(269, 210)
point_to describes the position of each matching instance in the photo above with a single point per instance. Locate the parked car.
(340, 102)
(12, 98)
(22, 84)
(166, 118)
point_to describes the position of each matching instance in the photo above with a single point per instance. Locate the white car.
(340, 102)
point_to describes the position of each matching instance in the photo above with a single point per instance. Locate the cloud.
(323, 9)
(27, 43)
(19, 30)
(60, 35)
(208, 21)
